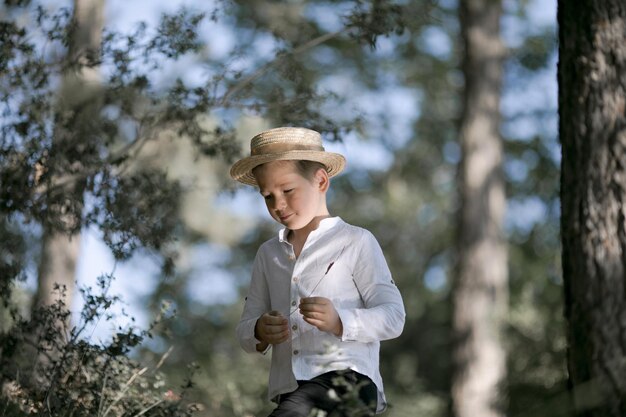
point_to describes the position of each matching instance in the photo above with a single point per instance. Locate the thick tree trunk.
(77, 95)
(480, 293)
(592, 112)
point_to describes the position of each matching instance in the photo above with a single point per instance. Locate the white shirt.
(358, 283)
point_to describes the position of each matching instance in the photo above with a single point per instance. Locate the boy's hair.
(306, 169)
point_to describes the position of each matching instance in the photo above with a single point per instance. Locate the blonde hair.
(305, 168)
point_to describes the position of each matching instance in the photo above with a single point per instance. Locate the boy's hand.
(271, 328)
(320, 312)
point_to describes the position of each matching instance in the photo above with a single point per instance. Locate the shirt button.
(293, 303)
(294, 327)
(295, 279)
(295, 352)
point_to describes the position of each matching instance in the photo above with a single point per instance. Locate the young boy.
(321, 294)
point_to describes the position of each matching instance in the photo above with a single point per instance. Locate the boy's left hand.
(320, 312)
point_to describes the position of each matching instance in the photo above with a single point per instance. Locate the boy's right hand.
(271, 328)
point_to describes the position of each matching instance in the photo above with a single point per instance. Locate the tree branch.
(258, 73)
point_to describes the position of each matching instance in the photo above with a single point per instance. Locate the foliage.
(53, 150)
(45, 373)
(56, 146)
(12, 263)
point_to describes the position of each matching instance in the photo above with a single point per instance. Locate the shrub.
(47, 370)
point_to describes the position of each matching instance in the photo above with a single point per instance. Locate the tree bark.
(77, 95)
(592, 129)
(480, 292)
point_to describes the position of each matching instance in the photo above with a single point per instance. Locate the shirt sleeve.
(257, 303)
(383, 315)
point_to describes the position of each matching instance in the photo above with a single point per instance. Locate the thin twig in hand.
(322, 278)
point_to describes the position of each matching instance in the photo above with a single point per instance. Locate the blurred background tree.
(480, 289)
(382, 81)
(60, 242)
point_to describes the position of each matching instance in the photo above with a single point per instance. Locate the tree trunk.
(592, 113)
(77, 96)
(480, 292)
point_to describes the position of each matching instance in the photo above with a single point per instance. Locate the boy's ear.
(322, 180)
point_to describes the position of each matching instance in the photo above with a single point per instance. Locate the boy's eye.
(288, 191)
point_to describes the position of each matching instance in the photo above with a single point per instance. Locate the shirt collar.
(325, 224)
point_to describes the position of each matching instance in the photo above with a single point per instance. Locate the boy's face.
(291, 199)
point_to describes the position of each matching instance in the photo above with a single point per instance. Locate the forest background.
(130, 152)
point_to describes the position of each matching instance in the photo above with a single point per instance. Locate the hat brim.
(242, 170)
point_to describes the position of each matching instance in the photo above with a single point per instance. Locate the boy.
(321, 294)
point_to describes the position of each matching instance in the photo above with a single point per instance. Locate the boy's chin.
(292, 224)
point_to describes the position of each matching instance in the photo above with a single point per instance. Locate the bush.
(49, 371)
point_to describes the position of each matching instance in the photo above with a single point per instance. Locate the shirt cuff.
(245, 332)
(257, 341)
(350, 324)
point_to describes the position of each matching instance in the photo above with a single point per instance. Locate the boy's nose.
(280, 204)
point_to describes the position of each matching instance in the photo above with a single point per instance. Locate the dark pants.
(338, 393)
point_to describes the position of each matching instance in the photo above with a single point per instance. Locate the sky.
(135, 279)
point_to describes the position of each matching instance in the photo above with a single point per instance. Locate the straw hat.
(285, 143)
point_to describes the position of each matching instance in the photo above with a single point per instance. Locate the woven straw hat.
(285, 143)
